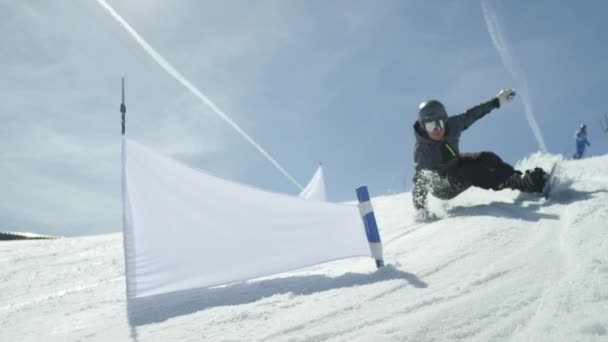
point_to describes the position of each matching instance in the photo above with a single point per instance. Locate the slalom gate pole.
(371, 228)
(123, 108)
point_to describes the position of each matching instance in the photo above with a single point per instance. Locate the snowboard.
(550, 182)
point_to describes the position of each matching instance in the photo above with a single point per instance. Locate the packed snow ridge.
(496, 266)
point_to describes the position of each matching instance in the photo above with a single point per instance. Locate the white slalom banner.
(315, 190)
(185, 229)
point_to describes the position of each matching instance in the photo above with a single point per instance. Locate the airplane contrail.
(160, 60)
(501, 46)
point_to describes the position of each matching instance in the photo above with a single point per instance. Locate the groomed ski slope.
(497, 266)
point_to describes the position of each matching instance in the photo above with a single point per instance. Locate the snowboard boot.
(531, 181)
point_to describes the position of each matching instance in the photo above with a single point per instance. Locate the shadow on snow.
(159, 308)
(521, 208)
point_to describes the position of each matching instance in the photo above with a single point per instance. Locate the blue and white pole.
(371, 228)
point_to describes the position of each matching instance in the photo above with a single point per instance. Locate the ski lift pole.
(371, 228)
(123, 108)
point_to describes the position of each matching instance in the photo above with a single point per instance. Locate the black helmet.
(431, 110)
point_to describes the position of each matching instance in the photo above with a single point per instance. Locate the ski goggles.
(432, 126)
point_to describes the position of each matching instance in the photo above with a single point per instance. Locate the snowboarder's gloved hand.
(505, 96)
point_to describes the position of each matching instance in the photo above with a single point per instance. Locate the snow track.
(497, 266)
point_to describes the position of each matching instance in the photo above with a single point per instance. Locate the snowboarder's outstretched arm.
(466, 119)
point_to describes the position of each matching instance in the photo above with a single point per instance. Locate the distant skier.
(581, 142)
(445, 172)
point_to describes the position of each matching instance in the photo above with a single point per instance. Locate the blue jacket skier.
(581, 142)
(445, 172)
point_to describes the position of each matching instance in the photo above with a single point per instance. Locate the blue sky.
(331, 81)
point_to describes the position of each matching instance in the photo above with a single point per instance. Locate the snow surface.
(497, 266)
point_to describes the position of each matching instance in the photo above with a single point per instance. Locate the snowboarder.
(581, 142)
(445, 172)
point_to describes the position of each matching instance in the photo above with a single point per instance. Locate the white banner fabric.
(185, 229)
(315, 189)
